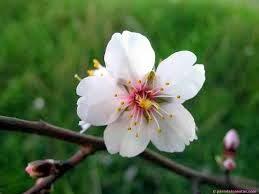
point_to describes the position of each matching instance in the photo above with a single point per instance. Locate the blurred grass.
(44, 43)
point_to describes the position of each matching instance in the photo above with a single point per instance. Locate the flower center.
(142, 102)
(145, 103)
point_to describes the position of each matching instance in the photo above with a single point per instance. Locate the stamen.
(149, 116)
(138, 130)
(155, 91)
(90, 72)
(159, 113)
(77, 77)
(97, 64)
(139, 81)
(145, 103)
(158, 127)
(119, 109)
(162, 89)
(129, 82)
(178, 97)
(129, 129)
(167, 113)
(164, 96)
(167, 83)
(122, 103)
(115, 95)
(163, 110)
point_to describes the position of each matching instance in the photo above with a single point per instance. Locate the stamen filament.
(158, 127)
(77, 77)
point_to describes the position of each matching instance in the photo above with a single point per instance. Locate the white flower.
(38, 103)
(138, 104)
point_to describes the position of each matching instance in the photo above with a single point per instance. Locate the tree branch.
(65, 166)
(45, 129)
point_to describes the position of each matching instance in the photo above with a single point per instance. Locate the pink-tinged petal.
(176, 131)
(231, 140)
(98, 106)
(129, 56)
(229, 164)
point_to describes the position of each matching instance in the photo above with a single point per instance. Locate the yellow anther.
(129, 129)
(171, 116)
(135, 123)
(77, 77)
(90, 72)
(159, 130)
(145, 103)
(151, 76)
(122, 103)
(97, 64)
(139, 81)
(115, 95)
(167, 83)
(119, 109)
(162, 89)
(130, 116)
(163, 117)
(178, 96)
(137, 135)
(129, 82)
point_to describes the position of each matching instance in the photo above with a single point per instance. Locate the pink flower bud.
(231, 140)
(229, 164)
(41, 168)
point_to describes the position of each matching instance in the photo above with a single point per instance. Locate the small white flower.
(138, 104)
(38, 103)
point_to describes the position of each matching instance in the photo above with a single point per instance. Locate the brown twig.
(65, 166)
(45, 129)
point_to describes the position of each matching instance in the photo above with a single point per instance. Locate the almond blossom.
(137, 103)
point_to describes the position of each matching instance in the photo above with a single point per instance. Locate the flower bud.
(231, 140)
(229, 164)
(41, 168)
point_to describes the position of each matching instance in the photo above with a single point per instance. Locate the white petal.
(175, 132)
(84, 125)
(98, 105)
(129, 56)
(175, 66)
(101, 71)
(114, 133)
(118, 138)
(185, 80)
(135, 141)
(190, 85)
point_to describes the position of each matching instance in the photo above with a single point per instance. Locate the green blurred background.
(44, 43)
